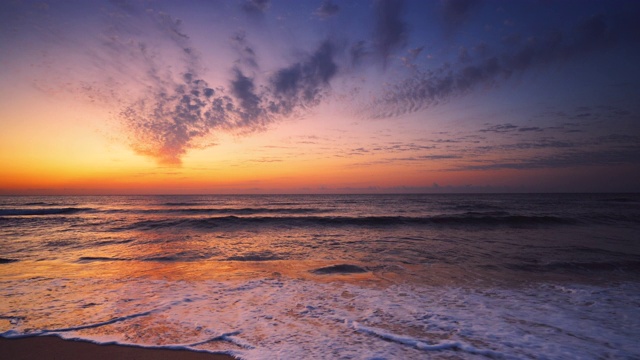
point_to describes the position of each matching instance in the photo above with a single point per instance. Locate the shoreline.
(54, 347)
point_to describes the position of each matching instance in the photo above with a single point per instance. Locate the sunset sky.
(173, 97)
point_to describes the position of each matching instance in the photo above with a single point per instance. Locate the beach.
(51, 347)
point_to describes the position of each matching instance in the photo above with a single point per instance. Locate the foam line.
(12, 334)
(222, 337)
(418, 344)
(108, 322)
(238, 342)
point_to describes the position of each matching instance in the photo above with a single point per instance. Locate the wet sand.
(55, 348)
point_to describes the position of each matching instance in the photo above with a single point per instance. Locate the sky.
(259, 96)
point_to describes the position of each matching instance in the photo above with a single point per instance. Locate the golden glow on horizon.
(62, 146)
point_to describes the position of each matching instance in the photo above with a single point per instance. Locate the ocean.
(442, 276)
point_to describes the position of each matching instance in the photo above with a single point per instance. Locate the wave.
(254, 257)
(422, 344)
(477, 207)
(41, 203)
(619, 200)
(185, 211)
(627, 266)
(241, 211)
(7, 261)
(464, 220)
(181, 204)
(162, 258)
(47, 211)
(218, 211)
(86, 259)
(339, 269)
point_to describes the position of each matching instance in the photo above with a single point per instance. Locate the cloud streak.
(431, 87)
(390, 32)
(327, 9)
(456, 12)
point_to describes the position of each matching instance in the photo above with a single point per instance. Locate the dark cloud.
(409, 60)
(256, 6)
(327, 9)
(463, 55)
(550, 152)
(246, 53)
(358, 52)
(500, 128)
(456, 12)
(597, 157)
(526, 145)
(415, 52)
(250, 112)
(530, 128)
(301, 85)
(125, 5)
(432, 87)
(390, 32)
(594, 32)
(171, 28)
(621, 139)
(508, 128)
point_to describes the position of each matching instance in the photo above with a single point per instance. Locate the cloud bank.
(431, 87)
(177, 108)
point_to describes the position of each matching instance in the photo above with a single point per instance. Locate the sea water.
(328, 276)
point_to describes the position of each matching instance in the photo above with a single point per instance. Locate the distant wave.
(185, 211)
(254, 257)
(181, 204)
(47, 211)
(162, 258)
(477, 207)
(339, 269)
(221, 211)
(628, 265)
(85, 259)
(41, 203)
(464, 220)
(7, 261)
(619, 200)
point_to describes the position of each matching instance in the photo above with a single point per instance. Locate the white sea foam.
(289, 318)
(423, 345)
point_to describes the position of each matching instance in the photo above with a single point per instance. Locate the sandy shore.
(54, 348)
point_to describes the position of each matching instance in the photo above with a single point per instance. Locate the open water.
(329, 276)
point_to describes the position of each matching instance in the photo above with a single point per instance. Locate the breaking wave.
(42, 211)
(474, 220)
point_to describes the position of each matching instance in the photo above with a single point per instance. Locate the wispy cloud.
(256, 7)
(301, 84)
(390, 31)
(456, 12)
(431, 87)
(178, 108)
(327, 9)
